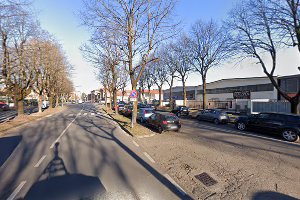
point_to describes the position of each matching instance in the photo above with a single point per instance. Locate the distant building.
(236, 93)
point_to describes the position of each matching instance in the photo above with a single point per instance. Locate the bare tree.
(141, 24)
(209, 46)
(184, 67)
(255, 34)
(170, 60)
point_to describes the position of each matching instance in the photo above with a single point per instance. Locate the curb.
(120, 125)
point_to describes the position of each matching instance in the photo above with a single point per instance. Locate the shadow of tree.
(110, 135)
(7, 146)
(271, 195)
(57, 183)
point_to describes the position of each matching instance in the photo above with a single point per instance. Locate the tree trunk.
(159, 96)
(170, 94)
(184, 92)
(56, 101)
(20, 105)
(204, 97)
(115, 100)
(105, 99)
(40, 102)
(62, 100)
(294, 107)
(134, 112)
(50, 102)
(149, 95)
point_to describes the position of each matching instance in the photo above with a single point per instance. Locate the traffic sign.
(133, 94)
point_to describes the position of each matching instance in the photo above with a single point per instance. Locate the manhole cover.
(206, 179)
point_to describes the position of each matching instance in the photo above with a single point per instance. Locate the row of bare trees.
(134, 29)
(255, 30)
(30, 59)
(141, 33)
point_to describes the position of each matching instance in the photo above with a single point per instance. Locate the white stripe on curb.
(136, 144)
(174, 183)
(149, 157)
(48, 116)
(16, 191)
(40, 161)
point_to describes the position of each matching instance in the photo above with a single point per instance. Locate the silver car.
(214, 115)
(144, 113)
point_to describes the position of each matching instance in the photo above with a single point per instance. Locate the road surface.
(79, 154)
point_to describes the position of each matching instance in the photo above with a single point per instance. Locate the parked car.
(286, 125)
(4, 106)
(214, 115)
(144, 113)
(127, 110)
(164, 121)
(194, 112)
(181, 111)
(121, 107)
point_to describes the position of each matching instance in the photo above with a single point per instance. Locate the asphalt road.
(79, 154)
(246, 165)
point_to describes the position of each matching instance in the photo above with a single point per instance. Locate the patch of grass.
(125, 122)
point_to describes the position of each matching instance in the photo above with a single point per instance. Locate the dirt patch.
(25, 119)
(138, 130)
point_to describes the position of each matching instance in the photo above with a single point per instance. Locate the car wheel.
(290, 135)
(160, 129)
(241, 126)
(177, 131)
(198, 118)
(178, 114)
(216, 121)
(141, 120)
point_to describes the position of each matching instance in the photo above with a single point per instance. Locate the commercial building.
(237, 93)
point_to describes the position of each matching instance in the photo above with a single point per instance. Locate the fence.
(270, 106)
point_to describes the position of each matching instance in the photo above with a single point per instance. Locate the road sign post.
(133, 97)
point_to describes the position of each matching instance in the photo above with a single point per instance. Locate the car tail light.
(165, 122)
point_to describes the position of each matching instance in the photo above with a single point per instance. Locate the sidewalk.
(25, 119)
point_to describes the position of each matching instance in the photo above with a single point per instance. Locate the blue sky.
(59, 18)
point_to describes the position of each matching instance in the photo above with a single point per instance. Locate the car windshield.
(171, 118)
(148, 111)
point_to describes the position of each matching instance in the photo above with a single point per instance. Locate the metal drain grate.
(206, 179)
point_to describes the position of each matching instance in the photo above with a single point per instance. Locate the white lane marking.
(49, 115)
(176, 184)
(149, 157)
(92, 114)
(40, 161)
(16, 191)
(70, 115)
(85, 114)
(51, 147)
(136, 144)
(78, 114)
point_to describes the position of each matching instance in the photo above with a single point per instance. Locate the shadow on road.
(270, 195)
(110, 135)
(7, 146)
(57, 183)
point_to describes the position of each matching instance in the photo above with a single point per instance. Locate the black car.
(181, 111)
(164, 121)
(286, 125)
